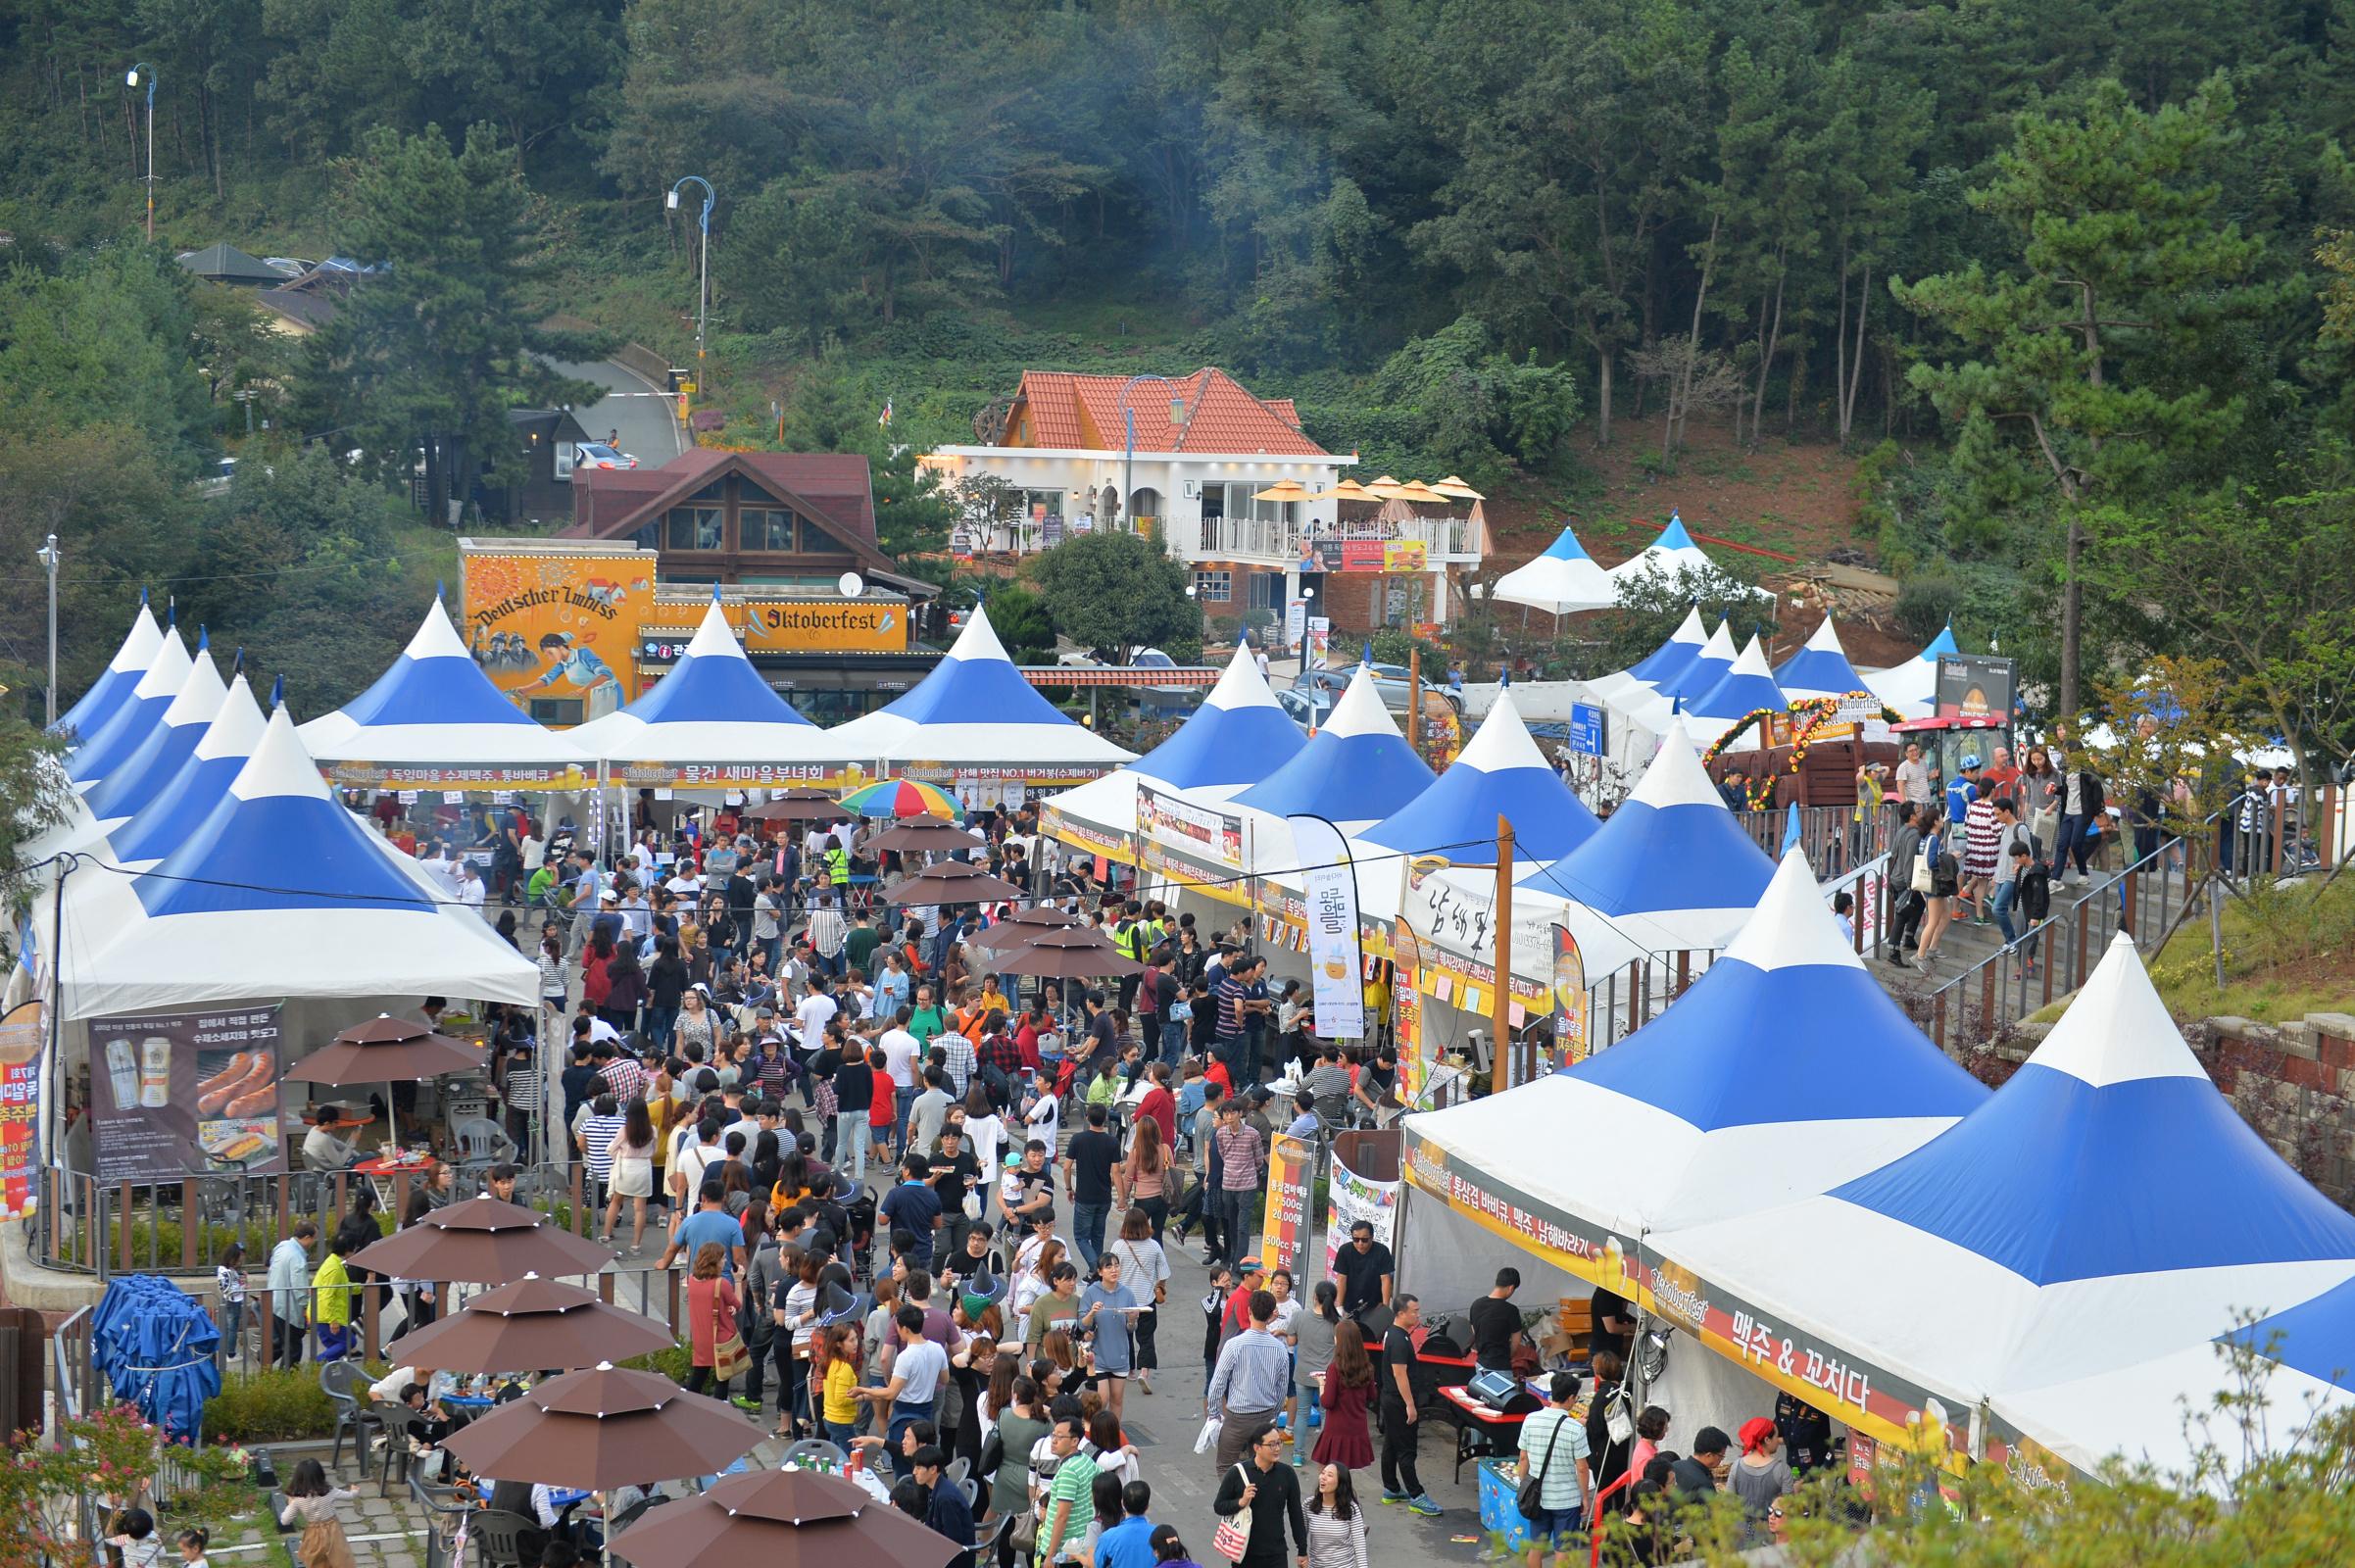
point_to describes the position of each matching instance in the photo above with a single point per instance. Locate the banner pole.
(1502, 1013)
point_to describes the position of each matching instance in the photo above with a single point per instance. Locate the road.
(650, 429)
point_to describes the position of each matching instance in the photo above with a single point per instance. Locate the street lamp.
(48, 557)
(1128, 421)
(703, 286)
(131, 79)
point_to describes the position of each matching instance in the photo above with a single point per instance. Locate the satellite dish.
(852, 585)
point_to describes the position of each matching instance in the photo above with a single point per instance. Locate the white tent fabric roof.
(120, 736)
(279, 870)
(1664, 662)
(435, 708)
(1820, 669)
(2105, 1207)
(151, 765)
(1670, 556)
(112, 687)
(1560, 581)
(1910, 689)
(975, 707)
(1720, 1107)
(1747, 687)
(712, 707)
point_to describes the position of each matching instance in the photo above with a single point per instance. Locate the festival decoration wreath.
(1809, 715)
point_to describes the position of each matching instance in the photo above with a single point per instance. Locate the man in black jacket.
(2080, 807)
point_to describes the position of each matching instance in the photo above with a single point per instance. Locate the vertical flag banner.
(1329, 885)
(1406, 999)
(1284, 1224)
(22, 1034)
(1569, 999)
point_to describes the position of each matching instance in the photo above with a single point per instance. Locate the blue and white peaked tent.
(154, 761)
(112, 687)
(1671, 868)
(1672, 552)
(1237, 737)
(1562, 581)
(2105, 1207)
(1355, 771)
(713, 706)
(1783, 1071)
(1910, 689)
(281, 892)
(183, 802)
(1664, 662)
(1500, 772)
(1820, 669)
(435, 708)
(974, 709)
(1745, 688)
(141, 712)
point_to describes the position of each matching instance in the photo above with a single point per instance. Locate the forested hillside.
(2065, 274)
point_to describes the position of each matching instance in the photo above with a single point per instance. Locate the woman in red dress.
(1349, 1387)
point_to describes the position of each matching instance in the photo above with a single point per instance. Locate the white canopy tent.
(435, 708)
(115, 684)
(712, 707)
(1564, 580)
(1910, 689)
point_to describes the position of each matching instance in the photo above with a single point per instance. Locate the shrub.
(273, 1405)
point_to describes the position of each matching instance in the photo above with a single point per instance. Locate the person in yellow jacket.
(331, 1299)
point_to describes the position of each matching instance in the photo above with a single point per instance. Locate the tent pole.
(1500, 1016)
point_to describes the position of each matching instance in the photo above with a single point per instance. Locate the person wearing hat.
(1761, 1477)
(1249, 1277)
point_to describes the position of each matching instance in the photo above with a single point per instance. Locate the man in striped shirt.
(827, 934)
(598, 1133)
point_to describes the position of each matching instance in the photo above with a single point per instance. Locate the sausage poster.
(186, 1094)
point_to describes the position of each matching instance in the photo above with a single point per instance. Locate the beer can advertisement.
(21, 1035)
(184, 1094)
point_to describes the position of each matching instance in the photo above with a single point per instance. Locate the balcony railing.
(1247, 539)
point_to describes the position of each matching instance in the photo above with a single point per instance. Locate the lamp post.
(131, 79)
(703, 285)
(1128, 422)
(48, 557)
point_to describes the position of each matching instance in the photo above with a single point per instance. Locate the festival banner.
(1284, 1223)
(1350, 1198)
(1167, 821)
(1406, 1006)
(1329, 887)
(174, 1094)
(1796, 1360)
(22, 1034)
(556, 625)
(1570, 1038)
(1454, 914)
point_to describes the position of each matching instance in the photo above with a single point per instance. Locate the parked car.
(1308, 710)
(1390, 680)
(597, 455)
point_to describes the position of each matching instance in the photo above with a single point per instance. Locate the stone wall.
(2294, 1083)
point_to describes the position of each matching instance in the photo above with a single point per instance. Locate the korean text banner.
(1283, 1226)
(1569, 999)
(20, 1036)
(1352, 1198)
(1329, 888)
(1169, 821)
(174, 1094)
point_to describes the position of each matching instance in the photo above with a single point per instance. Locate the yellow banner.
(1284, 1227)
(557, 626)
(824, 625)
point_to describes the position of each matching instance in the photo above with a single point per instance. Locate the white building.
(1190, 454)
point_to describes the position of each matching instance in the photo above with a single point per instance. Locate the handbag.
(730, 1358)
(1530, 1495)
(1232, 1539)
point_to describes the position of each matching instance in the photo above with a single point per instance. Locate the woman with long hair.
(1348, 1389)
(1315, 1328)
(711, 1316)
(1144, 1177)
(834, 1372)
(1144, 1270)
(1941, 847)
(594, 961)
(551, 962)
(625, 988)
(1037, 1281)
(697, 1024)
(2040, 788)
(1336, 1523)
(633, 1156)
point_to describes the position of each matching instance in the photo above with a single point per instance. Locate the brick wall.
(2294, 1083)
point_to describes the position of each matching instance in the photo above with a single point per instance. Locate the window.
(645, 538)
(766, 528)
(563, 452)
(1236, 501)
(1266, 590)
(1212, 587)
(694, 529)
(816, 541)
(556, 709)
(752, 495)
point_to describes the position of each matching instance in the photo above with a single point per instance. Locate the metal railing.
(2148, 900)
(1249, 538)
(1832, 837)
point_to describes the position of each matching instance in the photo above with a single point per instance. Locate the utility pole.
(133, 81)
(49, 558)
(703, 287)
(1502, 1009)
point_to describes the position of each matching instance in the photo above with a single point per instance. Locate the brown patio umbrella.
(1075, 953)
(954, 882)
(926, 836)
(482, 1241)
(533, 1323)
(605, 1428)
(385, 1050)
(1021, 928)
(798, 805)
(783, 1519)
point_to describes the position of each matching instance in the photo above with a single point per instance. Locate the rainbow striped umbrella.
(901, 798)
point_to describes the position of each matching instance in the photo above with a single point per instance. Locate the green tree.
(1116, 593)
(104, 340)
(432, 355)
(1473, 409)
(1019, 617)
(913, 512)
(34, 796)
(2066, 381)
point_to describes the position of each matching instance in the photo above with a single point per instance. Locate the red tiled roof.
(1083, 412)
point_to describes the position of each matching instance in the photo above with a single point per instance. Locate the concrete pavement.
(646, 416)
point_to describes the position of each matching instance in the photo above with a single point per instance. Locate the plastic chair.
(482, 1142)
(960, 1468)
(499, 1538)
(633, 1513)
(339, 1379)
(444, 1507)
